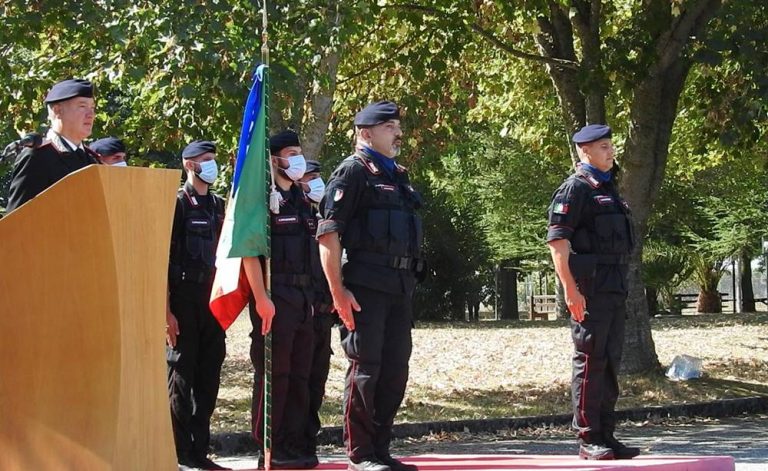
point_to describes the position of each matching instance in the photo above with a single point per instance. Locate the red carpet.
(558, 463)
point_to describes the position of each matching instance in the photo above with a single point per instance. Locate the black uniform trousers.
(292, 334)
(378, 351)
(321, 362)
(194, 368)
(598, 342)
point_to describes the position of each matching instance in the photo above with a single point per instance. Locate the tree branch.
(491, 38)
(376, 64)
(691, 19)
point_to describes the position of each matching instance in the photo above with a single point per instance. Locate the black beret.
(377, 113)
(107, 146)
(281, 140)
(196, 148)
(67, 89)
(591, 133)
(313, 166)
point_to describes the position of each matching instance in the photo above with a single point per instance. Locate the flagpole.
(267, 380)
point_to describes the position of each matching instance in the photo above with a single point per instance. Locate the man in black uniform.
(195, 339)
(110, 151)
(369, 209)
(590, 237)
(71, 110)
(293, 250)
(323, 319)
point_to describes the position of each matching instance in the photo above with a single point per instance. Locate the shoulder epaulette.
(592, 181)
(369, 164)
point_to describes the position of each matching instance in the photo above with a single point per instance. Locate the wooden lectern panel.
(83, 280)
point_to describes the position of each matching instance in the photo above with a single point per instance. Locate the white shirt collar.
(70, 143)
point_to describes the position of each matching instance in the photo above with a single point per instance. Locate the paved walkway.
(744, 438)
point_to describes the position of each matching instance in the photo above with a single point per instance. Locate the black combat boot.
(592, 447)
(203, 462)
(620, 450)
(395, 465)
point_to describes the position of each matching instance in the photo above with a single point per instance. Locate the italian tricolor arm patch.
(560, 208)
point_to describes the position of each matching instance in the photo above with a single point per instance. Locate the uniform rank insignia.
(386, 187)
(338, 195)
(287, 220)
(592, 181)
(560, 208)
(604, 199)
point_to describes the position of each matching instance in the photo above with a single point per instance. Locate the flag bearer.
(293, 246)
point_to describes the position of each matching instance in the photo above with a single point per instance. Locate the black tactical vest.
(202, 219)
(293, 241)
(386, 230)
(606, 229)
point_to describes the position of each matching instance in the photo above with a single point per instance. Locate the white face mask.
(208, 171)
(119, 164)
(316, 189)
(297, 166)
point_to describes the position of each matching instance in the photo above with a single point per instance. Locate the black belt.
(292, 279)
(201, 276)
(612, 259)
(390, 261)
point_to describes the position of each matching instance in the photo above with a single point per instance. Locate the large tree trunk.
(709, 302)
(747, 293)
(323, 89)
(507, 280)
(652, 299)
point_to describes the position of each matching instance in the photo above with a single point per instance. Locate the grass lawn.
(507, 369)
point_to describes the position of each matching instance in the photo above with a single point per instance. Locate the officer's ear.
(189, 165)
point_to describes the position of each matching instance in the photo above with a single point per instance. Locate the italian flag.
(246, 224)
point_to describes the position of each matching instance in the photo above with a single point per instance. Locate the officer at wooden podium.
(71, 111)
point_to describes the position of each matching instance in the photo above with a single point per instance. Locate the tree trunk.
(508, 291)
(562, 308)
(709, 302)
(651, 297)
(747, 293)
(323, 89)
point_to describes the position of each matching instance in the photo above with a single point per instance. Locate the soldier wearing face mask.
(294, 251)
(323, 319)
(110, 151)
(195, 339)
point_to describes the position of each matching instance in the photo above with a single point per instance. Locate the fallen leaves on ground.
(508, 369)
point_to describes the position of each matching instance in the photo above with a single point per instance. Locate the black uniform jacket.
(36, 169)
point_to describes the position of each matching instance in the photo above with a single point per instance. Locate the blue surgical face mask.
(122, 163)
(297, 166)
(316, 189)
(208, 171)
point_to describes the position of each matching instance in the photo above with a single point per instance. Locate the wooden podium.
(83, 276)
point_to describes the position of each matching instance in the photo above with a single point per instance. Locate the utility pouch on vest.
(583, 268)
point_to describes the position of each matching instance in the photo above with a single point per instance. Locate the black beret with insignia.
(283, 139)
(107, 146)
(67, 89)
(377, 113)
(591, 133)
(313, 166)
(196, 148)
